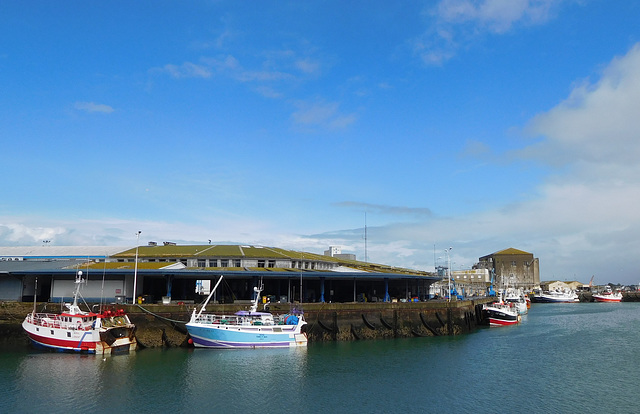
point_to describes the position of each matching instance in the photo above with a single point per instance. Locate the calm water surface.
(582, 357)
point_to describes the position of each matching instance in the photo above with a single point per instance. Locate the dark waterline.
(579, 357)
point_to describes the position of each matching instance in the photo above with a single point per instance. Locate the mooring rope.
(160, 317)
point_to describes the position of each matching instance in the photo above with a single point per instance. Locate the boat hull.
(605, 298)
(223, 337)
(84, 341)
(499, 317)
(554, 299)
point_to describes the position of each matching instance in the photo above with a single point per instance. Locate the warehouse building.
(184, 273)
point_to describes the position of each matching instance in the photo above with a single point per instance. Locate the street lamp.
(135, 268)
(449, 270)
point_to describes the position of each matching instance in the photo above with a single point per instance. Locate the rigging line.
(160, 317)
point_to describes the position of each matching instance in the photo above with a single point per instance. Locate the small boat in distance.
(246, 329)
(74, 330)
(608, 296)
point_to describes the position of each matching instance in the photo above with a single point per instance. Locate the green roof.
(510, 251)
(251, 252)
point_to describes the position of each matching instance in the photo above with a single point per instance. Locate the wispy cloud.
(386, 209)
(93, 107)
(321, 114)
(458, 23)
(187, 70)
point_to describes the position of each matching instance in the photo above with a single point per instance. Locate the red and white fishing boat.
(500, 313)
(608, 296)
(77, 331)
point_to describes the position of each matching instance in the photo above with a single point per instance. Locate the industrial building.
(512, 267)
(184, 273)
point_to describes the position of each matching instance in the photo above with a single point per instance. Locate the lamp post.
(135, 268)
(449, 270)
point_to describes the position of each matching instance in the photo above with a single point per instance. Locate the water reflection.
(232, 379)
(562, 358)
(58, 379)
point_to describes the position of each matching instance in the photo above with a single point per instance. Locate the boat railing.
(52, 320)
(217, 319)
(210, 319)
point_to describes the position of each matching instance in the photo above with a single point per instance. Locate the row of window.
(238, 263)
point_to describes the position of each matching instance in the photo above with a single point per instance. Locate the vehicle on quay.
(74, 330)
(246, 329)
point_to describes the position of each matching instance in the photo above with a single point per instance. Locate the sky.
(395, 130)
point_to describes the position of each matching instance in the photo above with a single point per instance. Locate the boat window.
(68, 334)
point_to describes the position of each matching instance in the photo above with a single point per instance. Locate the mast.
(366, 258)
(208, 298)
(35, 293)
(135, 269)
(257, 289)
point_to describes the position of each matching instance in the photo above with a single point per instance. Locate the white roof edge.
(347, 269)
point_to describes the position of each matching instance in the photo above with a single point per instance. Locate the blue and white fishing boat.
(556, 296)
(246, 329)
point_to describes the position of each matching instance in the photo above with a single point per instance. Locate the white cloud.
(457, 23)
(93, 107)
(19, 234)
(187, 70)
(494, 15)
(324, 114)
(581, 221)
(598, 123)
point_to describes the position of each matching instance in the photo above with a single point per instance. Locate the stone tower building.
(512, 267)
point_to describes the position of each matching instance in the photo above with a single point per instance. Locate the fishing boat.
(517, 299)
(556, 296)
(246, 329)
(608, 296)
(74, 330)
(500, 313)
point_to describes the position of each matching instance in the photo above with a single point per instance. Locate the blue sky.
(472, 124)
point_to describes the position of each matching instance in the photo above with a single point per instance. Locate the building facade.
(512, 267)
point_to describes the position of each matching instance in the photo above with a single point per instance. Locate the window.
(224, 263)
(272, 263)
(202, 263)
(513, 263)
(261, 263)
(238, 263)
(213, 262)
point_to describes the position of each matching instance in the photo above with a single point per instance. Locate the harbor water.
(581, 357)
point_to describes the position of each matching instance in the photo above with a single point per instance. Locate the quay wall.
(160, 325)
